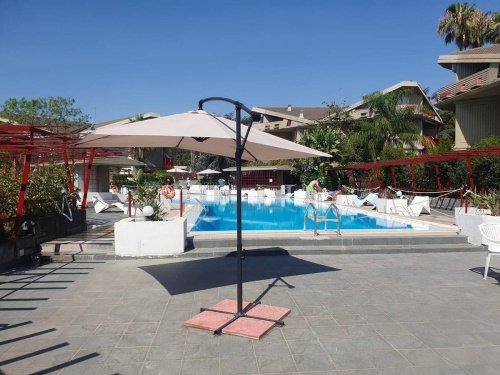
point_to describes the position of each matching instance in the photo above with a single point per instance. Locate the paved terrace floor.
(351, 314)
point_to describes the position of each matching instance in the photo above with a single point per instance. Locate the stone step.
(107, 245)
(344, 240)
(288, 250)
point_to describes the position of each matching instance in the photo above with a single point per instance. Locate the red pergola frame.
(23, 142)
(467, 155)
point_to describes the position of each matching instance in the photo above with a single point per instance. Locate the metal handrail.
(332, 207)
(314, 217)
(205, 209)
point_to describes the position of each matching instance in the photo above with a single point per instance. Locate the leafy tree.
(323, 137)
(56, 113)
(467, 26)
(446, 133)
(392, 126)
(494, 31)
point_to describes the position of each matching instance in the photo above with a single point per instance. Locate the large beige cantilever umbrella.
(205, 132)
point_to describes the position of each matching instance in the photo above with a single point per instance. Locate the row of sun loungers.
(403, 207)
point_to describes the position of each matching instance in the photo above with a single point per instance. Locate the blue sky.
(119, 58)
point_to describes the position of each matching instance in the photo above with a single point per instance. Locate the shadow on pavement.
(207, 273)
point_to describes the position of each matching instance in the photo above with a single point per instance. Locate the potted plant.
(156, 236)
(486, 210)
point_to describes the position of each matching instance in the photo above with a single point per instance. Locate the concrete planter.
(53, 226)
(150, 238)
(469, 222)
(45, 228)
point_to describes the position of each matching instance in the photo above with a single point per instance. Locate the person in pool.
(313, 186)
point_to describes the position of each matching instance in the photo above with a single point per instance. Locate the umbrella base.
(254, 322)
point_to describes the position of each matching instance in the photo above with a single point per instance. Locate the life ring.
(168, 191)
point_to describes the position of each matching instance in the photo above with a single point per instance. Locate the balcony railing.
(464, 85)
(421, 109)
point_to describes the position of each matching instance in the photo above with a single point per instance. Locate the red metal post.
(394, 182)
(71, 185)
(377, 179)
(469, 173)
(87, 178)
(466, 202)
(413, 181)
(181, 207)
(462, 197)
(129, 203)
(22, 193)
(438, 177)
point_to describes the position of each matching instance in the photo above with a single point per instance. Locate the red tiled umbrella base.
(258, 321)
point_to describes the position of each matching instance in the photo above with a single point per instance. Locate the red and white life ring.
(168, 191)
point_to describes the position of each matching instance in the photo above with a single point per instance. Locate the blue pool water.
(280, 214)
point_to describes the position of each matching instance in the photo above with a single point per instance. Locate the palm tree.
(494, 30)
(392, 126)
(465, 25)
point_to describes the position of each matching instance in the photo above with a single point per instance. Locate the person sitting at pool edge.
(313, 186)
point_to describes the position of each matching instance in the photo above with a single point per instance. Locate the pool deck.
(398, 314)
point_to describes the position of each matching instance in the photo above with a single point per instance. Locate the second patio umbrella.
(177, 170)
(208, 171)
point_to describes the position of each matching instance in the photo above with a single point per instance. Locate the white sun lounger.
(371, 198)
(415, 208)
(100, 205)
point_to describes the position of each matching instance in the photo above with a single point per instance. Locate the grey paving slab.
(351, 314)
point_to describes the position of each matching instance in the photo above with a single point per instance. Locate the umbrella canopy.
(208, 171)
(197, 131)
(177, 170)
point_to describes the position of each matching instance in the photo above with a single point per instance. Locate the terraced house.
(475, 94)
(289, 122)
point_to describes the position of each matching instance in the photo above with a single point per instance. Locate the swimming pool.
(270, 214)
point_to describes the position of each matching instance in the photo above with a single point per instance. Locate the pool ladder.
(312, 213)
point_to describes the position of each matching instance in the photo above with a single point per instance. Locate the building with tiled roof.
(288, 122)
(427, 119)
(475, 94)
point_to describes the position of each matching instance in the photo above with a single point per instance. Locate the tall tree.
(466, 26)
(392, 126)
(56, 113)
(494, 31)
(326, 137)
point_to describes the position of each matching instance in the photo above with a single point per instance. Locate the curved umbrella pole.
(240, 148)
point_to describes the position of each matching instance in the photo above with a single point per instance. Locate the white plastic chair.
(491, 237)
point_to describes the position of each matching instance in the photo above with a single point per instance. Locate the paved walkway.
(351, 314)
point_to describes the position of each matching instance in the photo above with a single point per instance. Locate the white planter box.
(469, 223)
(150, 238)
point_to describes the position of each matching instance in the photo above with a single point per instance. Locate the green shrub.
(159, 177)
(486, 170)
